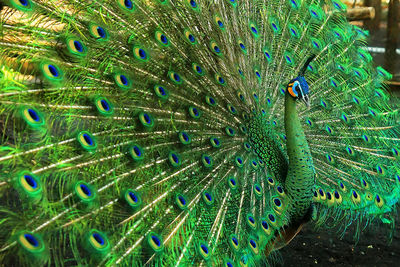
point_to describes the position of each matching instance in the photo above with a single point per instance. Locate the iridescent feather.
(172, 132)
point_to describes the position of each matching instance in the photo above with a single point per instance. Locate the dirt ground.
(324, 248)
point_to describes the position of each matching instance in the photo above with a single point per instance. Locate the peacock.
(187, 132)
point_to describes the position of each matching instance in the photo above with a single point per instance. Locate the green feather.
(154, 132)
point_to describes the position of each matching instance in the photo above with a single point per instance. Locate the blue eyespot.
(88, 139)
(336, 194)
(251, 219)
(137, 151)
(230, 131)
(328, 196)
(185, 136)
(161, 90)
(53, 70)
(164, 39)
(142, 53)
(271, 217)
(235, 241)
(78, 46)
(85, 189)
(191, 38)
(321, 192)
(177, 77)
(147, 118)
(277, 202)
(31, 239)
(124, 80)
(33, 114)
(24, 2)
(105, 105)
(98, 238)
(204, 248)
(133, 197)
(128, 4)
(182, 200)
(156, 240)
(280, 189)
(101, 32)
(31, 181)
(207, 160)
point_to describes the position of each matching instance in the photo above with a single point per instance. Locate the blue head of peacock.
(299, 89)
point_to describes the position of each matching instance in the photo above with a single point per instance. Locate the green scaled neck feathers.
(297, 173)
(295, 169)
(300, 180)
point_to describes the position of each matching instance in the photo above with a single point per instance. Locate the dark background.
(384, 29)
(325, 248)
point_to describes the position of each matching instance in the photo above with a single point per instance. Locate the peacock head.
(298, 88)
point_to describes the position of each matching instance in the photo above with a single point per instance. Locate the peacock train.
(187, 132)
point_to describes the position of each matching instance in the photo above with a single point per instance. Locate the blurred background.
(381, 19)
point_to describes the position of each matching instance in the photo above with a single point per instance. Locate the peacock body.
(174, 133)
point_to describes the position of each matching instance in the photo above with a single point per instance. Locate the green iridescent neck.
(300, 178)
(297, 173)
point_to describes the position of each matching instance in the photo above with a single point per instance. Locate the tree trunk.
(374, 23)
(392, 36)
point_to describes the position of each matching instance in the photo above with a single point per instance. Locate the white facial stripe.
(297, 84)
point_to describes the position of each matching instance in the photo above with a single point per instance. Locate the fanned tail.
(151, 132)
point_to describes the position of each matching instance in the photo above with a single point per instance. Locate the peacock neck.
(300, 178)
